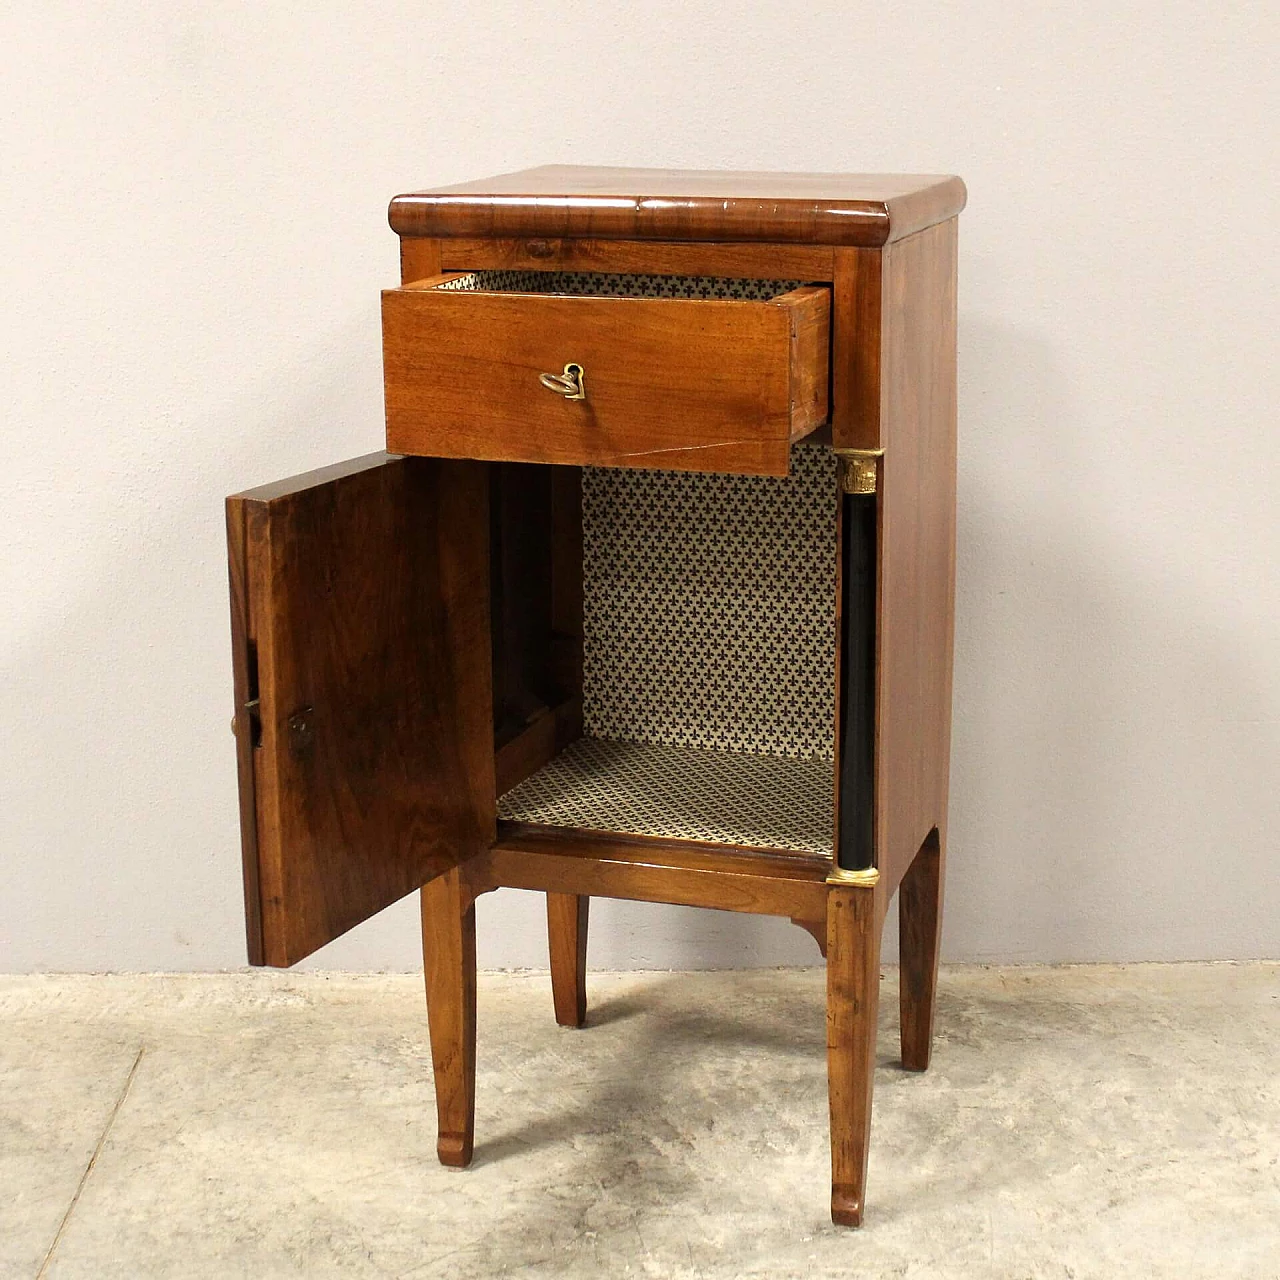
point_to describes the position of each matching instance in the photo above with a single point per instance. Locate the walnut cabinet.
(650, 597)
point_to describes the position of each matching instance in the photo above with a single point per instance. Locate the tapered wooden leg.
(449, 962)
(919, 932)
(854, 917)
(567, 937)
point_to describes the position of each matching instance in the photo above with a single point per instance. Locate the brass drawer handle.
(572, 383)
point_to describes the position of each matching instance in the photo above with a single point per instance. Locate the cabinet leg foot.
(846, 1206)
(449, 963)
(920, 931)
(567, 938)
(854, 918)
(455, 1149)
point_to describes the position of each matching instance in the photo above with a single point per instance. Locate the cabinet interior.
(664, 651)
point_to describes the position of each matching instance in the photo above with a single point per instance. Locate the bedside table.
(650, 598)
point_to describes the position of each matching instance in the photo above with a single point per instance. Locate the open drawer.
(587, 368)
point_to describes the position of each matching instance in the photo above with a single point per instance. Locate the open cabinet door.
(364, 724)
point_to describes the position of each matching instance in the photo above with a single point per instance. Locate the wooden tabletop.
(580, 201)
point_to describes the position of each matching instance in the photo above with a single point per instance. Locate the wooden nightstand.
(653, 598)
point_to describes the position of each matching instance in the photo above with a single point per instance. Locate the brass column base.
(866, 879)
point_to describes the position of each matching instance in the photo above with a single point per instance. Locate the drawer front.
(704, 384)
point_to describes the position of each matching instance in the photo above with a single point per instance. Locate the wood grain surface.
(856, 341)
(672, 204)
(536, 609)
(648, 869)
(246, 725)
(702, 385)
(919, 937)
(917, 545)
(360, 597)
(567, 916)
(855, 920)
(449, 968)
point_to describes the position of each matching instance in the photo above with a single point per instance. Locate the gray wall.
(193, 214)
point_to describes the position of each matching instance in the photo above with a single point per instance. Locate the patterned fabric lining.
(709, 660)
(605, 284)
(710, 607)
(758, 801)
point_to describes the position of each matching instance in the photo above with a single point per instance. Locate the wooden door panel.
(360, 624)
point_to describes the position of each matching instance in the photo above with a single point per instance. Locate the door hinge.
(250, 708)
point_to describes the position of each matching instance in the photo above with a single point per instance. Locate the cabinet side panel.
(917, 543)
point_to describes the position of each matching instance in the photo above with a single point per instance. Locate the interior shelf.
(687, 793)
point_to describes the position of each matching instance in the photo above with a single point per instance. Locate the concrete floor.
(1077, 1122)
